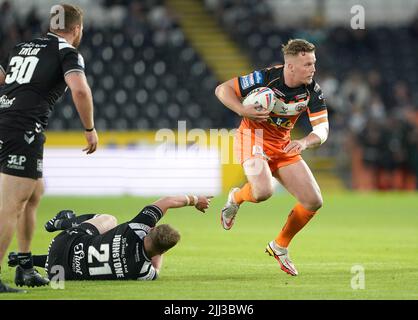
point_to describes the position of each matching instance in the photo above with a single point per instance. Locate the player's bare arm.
(226, 94)
(308, 142)
(2, 77)
(83, 101)
(201, 203)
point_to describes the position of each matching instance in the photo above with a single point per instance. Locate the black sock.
(39, 261)
(25, 260)
(64, 224)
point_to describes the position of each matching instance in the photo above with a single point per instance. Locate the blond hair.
(295, 46)
(164, 237)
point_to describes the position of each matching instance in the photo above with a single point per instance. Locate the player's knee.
(262, 194)
(111, 220)
(315, 203)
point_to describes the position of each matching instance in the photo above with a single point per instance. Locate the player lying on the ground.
(94, 247)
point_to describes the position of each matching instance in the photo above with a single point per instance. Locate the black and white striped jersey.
(34, 81)
(117, 254)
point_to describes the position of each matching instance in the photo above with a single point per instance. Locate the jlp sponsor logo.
(6, 102)
(16, 162)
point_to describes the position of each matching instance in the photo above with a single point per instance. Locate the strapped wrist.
(89, 130)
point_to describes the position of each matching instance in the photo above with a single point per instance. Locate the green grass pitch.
(376, 231)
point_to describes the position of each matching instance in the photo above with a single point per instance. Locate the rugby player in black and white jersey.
(33, 77)
(94, 247)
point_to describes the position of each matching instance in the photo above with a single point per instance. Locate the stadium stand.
(145, 74)
(368, 78)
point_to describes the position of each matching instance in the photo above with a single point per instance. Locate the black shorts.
(61, 246)
(22, 153)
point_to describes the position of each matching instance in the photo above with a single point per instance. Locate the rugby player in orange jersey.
(265, 148)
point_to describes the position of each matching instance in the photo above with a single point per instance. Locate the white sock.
(277, 247)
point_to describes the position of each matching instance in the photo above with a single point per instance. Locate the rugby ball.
(262, 96)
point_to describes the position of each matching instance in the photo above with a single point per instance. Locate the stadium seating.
(144, 73)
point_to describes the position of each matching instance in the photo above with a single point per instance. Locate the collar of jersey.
(56, 36)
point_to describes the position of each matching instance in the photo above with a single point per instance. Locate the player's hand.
(92, 141)
(255, 112)
(203, 203)
(295, 146)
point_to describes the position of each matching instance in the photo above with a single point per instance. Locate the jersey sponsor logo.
(258, 77)
(78, 256)
(247, 81)
(5, 102)
(291, 108)
(284, 109)
(32, 44)
(301, 107)
(150, 213)
(284, 123)
(251, 79)
(16, 162)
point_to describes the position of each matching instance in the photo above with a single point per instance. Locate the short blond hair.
(73, 16)
(164, 237)
(295, 46)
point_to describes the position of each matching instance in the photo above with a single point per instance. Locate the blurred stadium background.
(151, 63)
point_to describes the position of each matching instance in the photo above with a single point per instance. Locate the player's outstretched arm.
(83, 101)
(201, 203)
